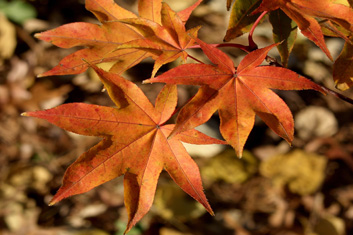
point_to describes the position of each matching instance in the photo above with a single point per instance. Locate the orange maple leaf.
(165, 34)
(100, 40)
(238, 94)
(109, 40)
(134, 144)
(303, 12)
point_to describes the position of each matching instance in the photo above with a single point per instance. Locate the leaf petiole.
(190, 56)
(252, 45)
(236, 45)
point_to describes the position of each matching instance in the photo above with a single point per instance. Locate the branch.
(274, 62)
(338, 95)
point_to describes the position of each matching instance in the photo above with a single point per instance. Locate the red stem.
(252, 44)
(338, 95)
(190, 56)
(242, 47)
(329, 91)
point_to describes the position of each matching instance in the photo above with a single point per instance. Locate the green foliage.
(17, 10)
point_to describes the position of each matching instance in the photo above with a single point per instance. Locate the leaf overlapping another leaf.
(305, 12)
(167, 40)
(241, 19)
(284, 32)
(238, 94)
(124, 37)
(100, 40)
(134, 144)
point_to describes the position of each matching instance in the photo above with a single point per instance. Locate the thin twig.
(274, 62)
(336, 94)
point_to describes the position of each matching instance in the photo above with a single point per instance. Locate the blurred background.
(274, 189)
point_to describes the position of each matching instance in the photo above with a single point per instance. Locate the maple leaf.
(100, 40)
(334, 30)
(304, 12)
(285, 32)
(109, 41)
(238, 94)
(343, 68)
(241, 19)
(134, 144)
(165, 34)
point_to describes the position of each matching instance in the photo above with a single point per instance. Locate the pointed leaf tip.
(51, 203)
(54, 200)
(29, 114)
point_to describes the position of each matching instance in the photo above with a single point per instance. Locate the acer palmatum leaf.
(123, 37)
(303, 12)
(134, 144)
(238, 94)
(167, 39)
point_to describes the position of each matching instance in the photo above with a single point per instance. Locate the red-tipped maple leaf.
(303, 12)
(134, 144)
(238, 94)
(109, 41)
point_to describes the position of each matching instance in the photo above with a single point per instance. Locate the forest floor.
(276, 189)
